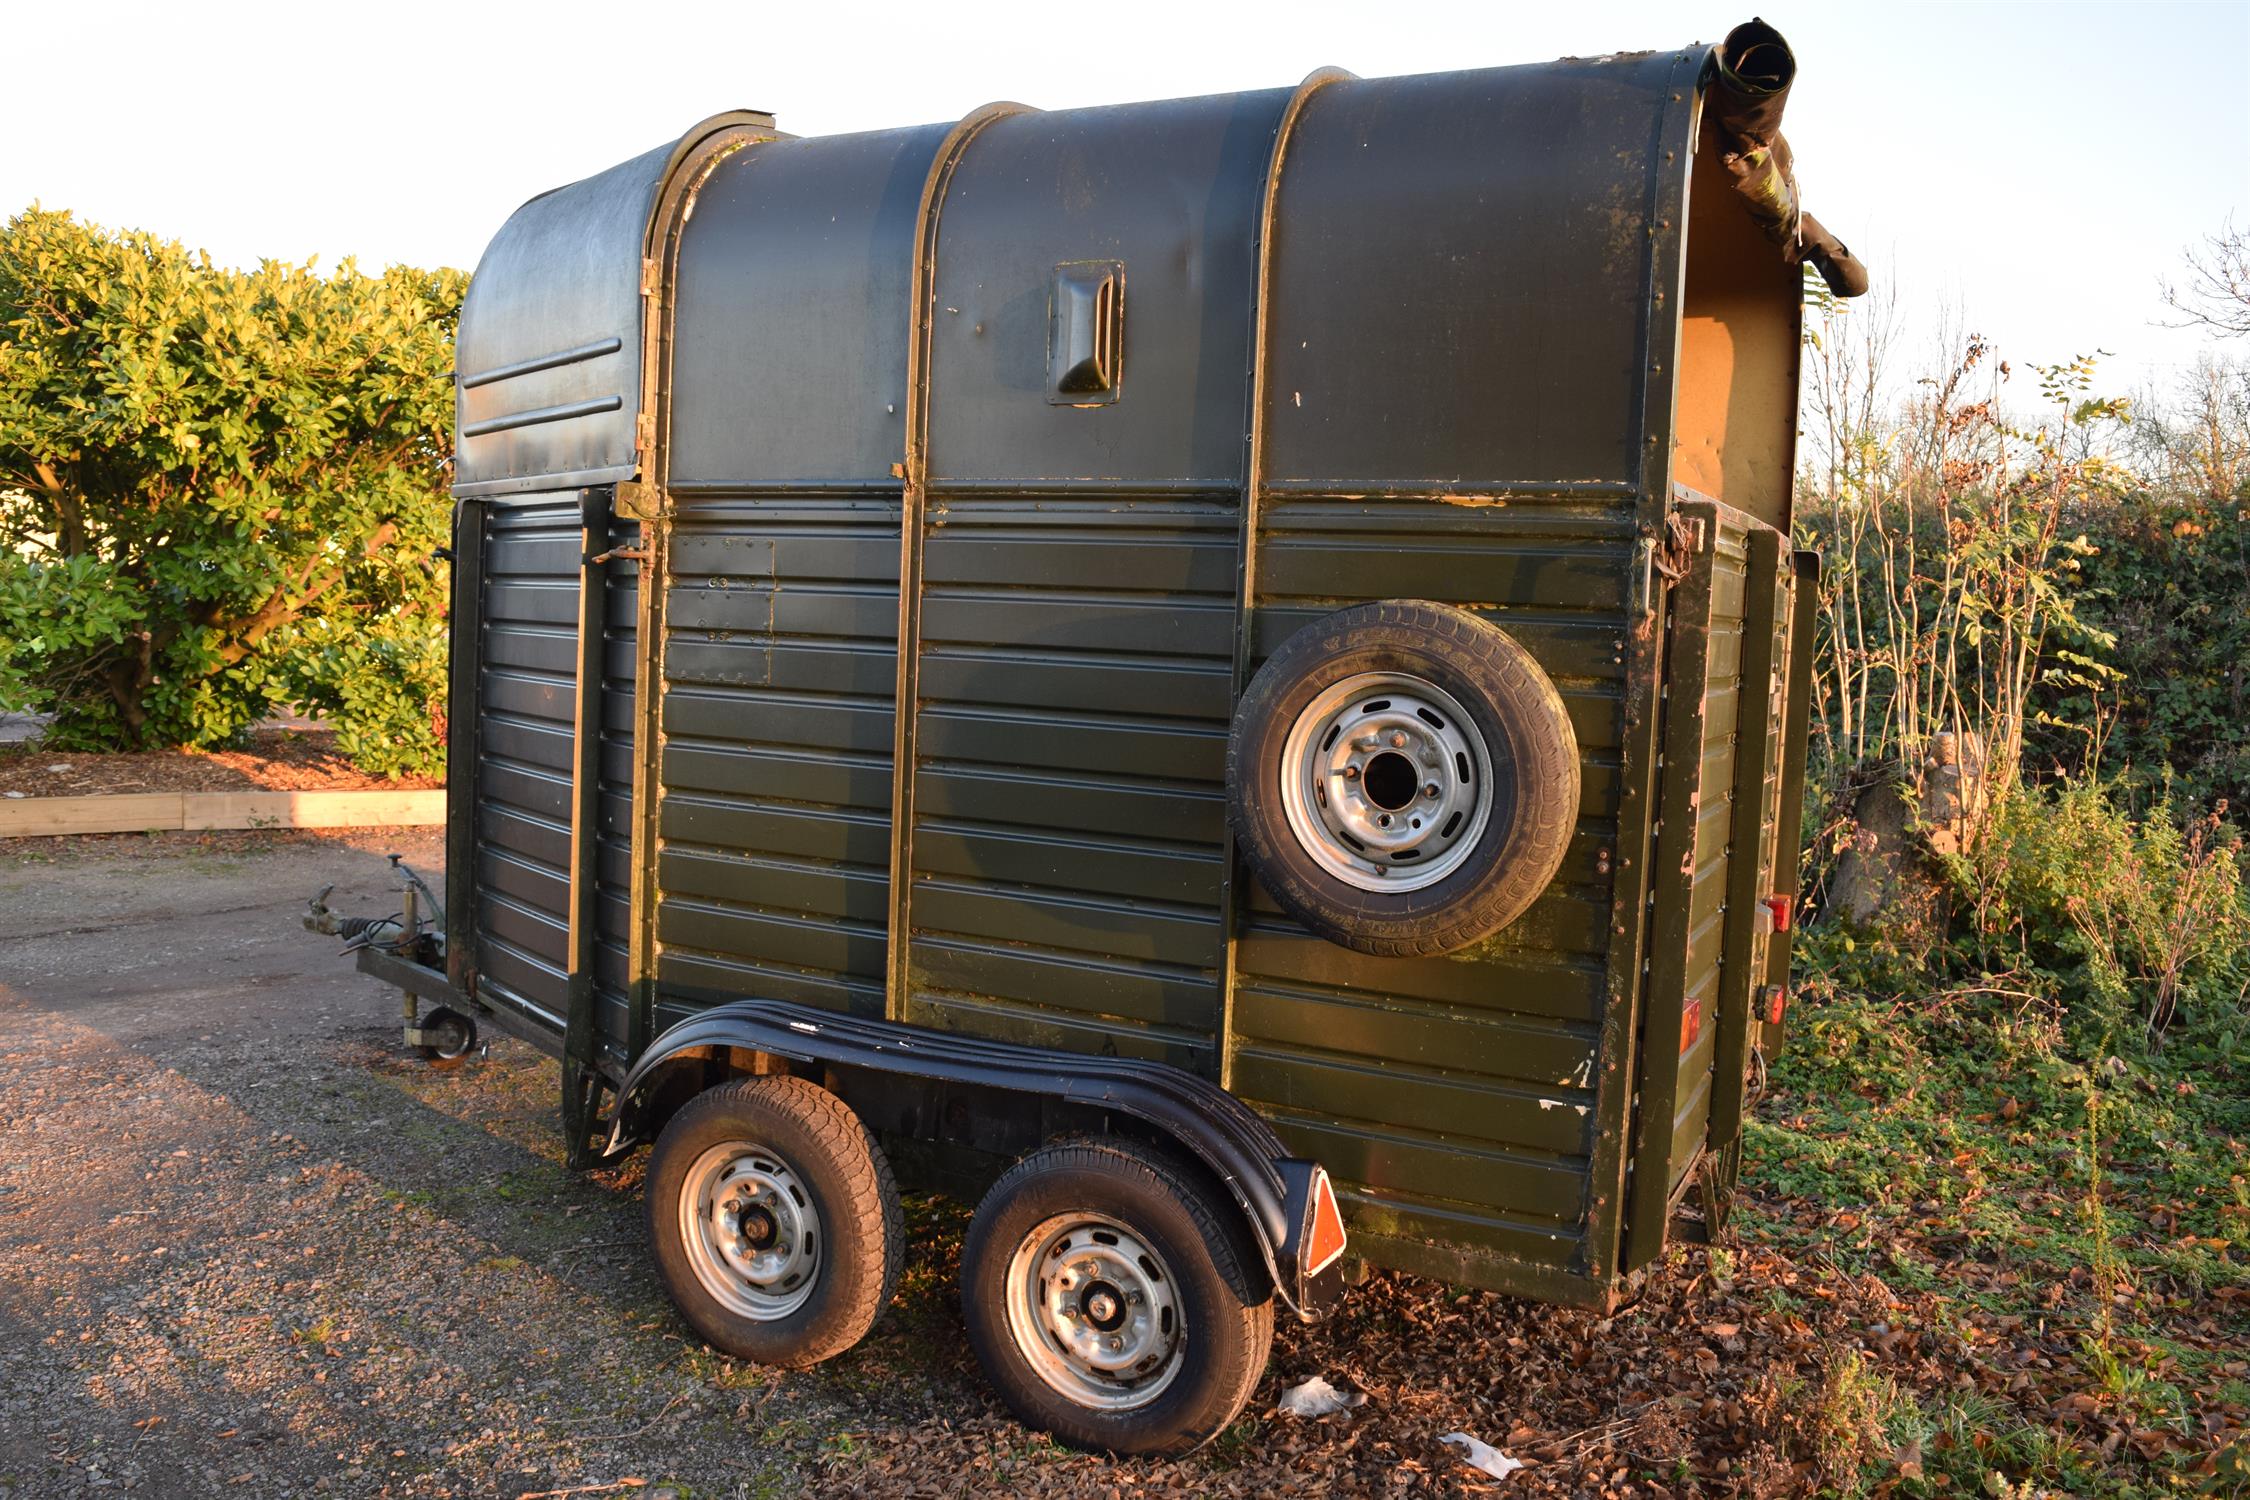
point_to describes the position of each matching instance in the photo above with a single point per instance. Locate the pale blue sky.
(2036, 167)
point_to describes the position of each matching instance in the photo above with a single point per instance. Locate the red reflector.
(1776, 997)
(1691, 1023)
(1779, 904)
(1325, 1240)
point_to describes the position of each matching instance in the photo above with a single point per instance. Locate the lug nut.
(1398, 740)
(1430, 791)
(1351, 773)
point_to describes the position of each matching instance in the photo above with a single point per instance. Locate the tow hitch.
(415, 943)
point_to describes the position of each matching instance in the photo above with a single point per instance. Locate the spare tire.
(1402, 777)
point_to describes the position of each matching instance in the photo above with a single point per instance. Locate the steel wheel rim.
(1342, 786)
(455, 1029)
(1094, 1311)
(751, 1232)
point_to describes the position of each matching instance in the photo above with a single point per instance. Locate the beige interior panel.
(1736, 422)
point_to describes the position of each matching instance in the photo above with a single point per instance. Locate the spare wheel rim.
(1386, 782)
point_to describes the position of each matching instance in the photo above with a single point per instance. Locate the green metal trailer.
(1196, 669)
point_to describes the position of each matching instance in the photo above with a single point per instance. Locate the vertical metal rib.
(650, 503)
(1625, 984)
(915, 471)
(1246, 552)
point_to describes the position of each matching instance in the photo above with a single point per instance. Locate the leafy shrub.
(2168, 579)
(199, 465)
(383, 687)
(2137, 914)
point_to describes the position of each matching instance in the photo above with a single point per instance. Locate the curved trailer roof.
(1463, 279)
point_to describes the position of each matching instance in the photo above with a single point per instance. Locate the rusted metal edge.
(914, 472)
(1673, 149)
(700, 154)
(1246, 552)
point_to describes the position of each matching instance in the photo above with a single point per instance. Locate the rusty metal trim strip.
(914, 471)
(1232, 873)
(1644, 651)
(1411, 489)
(648, 501)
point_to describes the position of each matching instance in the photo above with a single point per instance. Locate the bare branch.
(2215, 293)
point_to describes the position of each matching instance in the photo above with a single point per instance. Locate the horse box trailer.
(1220, 674)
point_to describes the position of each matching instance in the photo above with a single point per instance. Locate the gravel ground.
(247, 1248)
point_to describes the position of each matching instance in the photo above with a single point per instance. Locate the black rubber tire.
(461, 1038)
(1226, 1301)
(1525, 727)
(852, 1192)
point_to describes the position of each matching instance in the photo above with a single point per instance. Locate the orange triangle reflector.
(1325, 1241)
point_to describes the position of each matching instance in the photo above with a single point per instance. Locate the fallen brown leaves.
(1758, 1372)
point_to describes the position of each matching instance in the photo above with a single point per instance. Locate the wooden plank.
(140, 812)
(127, 812)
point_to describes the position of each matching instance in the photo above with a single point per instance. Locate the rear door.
(1719, 816)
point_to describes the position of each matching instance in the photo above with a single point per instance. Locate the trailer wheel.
(1111, 1300)
(455, 1038)
(774, 1220)
(1402, 778)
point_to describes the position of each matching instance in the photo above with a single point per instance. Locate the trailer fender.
(1287, 1204)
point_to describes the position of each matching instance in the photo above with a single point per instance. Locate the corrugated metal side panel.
(613, 829)
(1071, 770)
(1714, 835)
(780, 662)
(527, 686)
(1452, 1098)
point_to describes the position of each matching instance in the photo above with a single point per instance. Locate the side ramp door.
(1719, 816)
